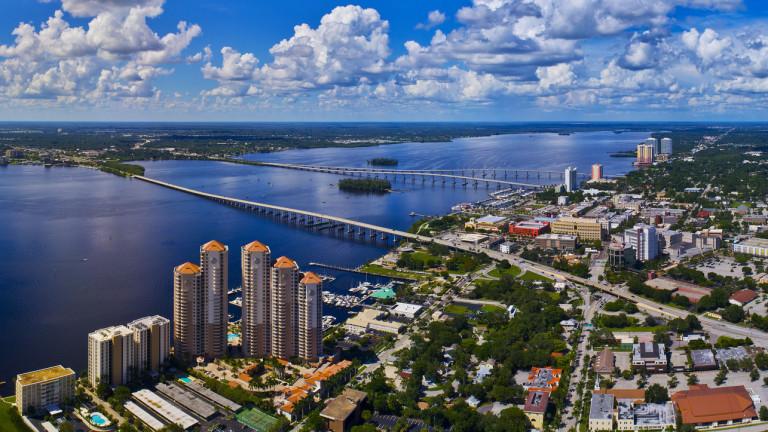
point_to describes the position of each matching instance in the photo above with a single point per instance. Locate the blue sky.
(494, 60)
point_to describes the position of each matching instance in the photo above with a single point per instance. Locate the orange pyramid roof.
(255, 246)
(285, 262)
(311, 279)
(187, 268)
(214, 246)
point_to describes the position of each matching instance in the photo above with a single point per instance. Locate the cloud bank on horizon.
(488, 59)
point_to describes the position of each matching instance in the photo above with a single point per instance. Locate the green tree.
(66, 427)
(754, 375)
(763, 413)
(656, 393)
(693, 379)
(721, 377)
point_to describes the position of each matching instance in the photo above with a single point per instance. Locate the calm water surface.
(82, 249)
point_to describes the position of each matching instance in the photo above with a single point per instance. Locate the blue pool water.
(185, 380)
(98, 419)
(232, 336)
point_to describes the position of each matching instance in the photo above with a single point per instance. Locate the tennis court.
(256, 419)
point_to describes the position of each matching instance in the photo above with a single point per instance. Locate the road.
(649, 306)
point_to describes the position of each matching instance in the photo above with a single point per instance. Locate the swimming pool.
(185, 380)
(232, 337)
(98, 419)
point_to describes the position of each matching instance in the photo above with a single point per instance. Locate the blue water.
(82, 249)
(98, 419)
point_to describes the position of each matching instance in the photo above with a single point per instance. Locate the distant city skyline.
(495, 60)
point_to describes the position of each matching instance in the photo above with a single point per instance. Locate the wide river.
(81, 249)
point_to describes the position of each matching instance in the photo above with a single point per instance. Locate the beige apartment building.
(583, 228)
(256, 268)
(187, 311)
(284, 308)
(43, 388)
(214, 266)
(151, 338)
(110, 356)
(310, 300)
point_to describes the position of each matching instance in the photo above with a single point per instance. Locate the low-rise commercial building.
(703, 359)
(649, 356)
(632, 416)
(701, 406)
(536, 407)
(562, 242)
(601, 412)
(371, 320)
(742, 297)
(583, 228)
(486, 223)
(529, 228)
(605, 362)
(166, 410)
(44, 388)
(754, 246)
(341, 413)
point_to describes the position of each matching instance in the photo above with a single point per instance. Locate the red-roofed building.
(529, 228)
(742, 297)
(535, 408)
(702, 406)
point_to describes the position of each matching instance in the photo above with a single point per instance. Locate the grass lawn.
(513, 271)
(10, 421)
(492, 308)
(528, 276)
(382, 271)
(454, 309)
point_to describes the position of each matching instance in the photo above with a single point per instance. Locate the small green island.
(121, 169)
(383, 162)
(365, 185)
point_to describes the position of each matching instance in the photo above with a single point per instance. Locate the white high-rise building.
(644, 240)
(214, 266)
(571, 179)
(151, 338)
(666, 146)
(111, 356)
(653, 142)
(257, 268)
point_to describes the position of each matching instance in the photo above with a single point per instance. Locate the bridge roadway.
(713, 326)
(433, 174)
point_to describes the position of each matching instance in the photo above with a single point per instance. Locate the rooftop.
(311, 279)
(744, 296)
(632, 394)
(703, 357)
(701, 404)
(605, 362)
(648, 351)
(43, 375)
(165, 409)
(214, 246)
(755, 241)
(285, 262)
(490, 219)
(255, 246)
(344, 405)
(544, 378)
(536, 402)
(735, 353)
(601, 407)
(531, 224)
(187, 268)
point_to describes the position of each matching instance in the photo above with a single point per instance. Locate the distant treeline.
(365, 185)
(121, 169)
(383, 161)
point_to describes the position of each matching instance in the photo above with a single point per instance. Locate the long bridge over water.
(308, 219)
(500, 177)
